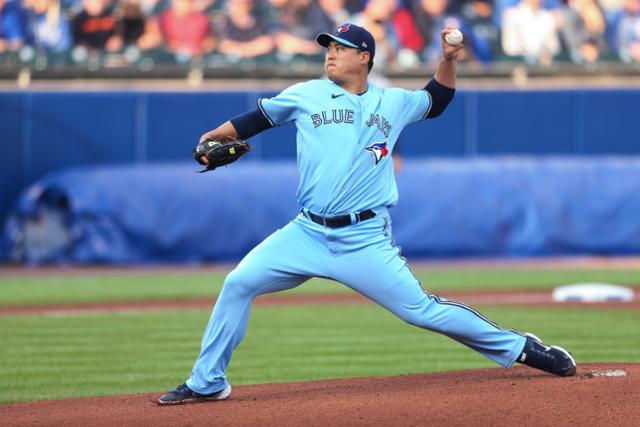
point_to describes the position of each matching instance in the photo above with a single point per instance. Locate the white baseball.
(453, 37)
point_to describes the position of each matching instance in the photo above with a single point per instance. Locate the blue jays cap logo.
(350, 35)
(343, 28)
(379, 150)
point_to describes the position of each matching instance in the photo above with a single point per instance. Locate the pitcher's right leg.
(284, 260)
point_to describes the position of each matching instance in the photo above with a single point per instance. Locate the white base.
(593, 292)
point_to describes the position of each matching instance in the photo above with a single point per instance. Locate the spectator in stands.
(50, 30)
(377, 18)
(531, 32)
(584, 31)
(185, 30)
(138, 24)
(406, 29)
(208, 6)
(628, 34)
(95, 27)
(244, 32)
(300, 21)
(611, 7)
(499, 6)
(336, 10)
(482, 34)
(396, 34)
(138, 31)
(131, 22)
(431, 17)
(13, 25)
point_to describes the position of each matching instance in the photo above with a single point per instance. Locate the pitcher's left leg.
(381, 274)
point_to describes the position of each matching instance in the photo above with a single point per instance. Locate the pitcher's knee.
(238, 285)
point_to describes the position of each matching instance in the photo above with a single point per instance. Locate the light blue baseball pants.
(363, 257)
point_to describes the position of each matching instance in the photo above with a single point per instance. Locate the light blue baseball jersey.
(345, 141)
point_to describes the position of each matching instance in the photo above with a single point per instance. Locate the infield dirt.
(520, 396)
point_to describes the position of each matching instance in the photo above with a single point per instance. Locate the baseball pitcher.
(346, 131)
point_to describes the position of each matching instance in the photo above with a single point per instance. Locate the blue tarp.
(478, 207)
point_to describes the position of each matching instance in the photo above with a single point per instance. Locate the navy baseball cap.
(352, 36)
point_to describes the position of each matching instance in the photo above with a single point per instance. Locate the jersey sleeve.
(284, 107)
(417, 104)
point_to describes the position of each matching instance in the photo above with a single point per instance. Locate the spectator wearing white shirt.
(531, 32)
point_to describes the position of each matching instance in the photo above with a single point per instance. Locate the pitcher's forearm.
(446, 73)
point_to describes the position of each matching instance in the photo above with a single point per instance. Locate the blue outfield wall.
(448, 208)
(47, 131)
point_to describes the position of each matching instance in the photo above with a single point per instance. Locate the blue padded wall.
(175, 121)
(12, 161)
(525, 123)
(72, 129)
(610, 120)
(447, 208)
(445, 136)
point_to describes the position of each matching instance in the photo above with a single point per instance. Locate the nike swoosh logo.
(335, 95)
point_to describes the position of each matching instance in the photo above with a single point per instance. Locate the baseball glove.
(220, 153)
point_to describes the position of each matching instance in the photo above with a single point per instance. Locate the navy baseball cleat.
(555, 360)
(183, 394)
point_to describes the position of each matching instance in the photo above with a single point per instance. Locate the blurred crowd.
(406, 31)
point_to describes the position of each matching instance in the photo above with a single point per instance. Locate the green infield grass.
(64, 356)
(67, 290)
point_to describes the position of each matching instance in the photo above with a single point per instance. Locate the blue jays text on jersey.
(335, 116)
(346, 116)
(381, 122)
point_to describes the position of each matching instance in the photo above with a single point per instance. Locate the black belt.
(340, 220)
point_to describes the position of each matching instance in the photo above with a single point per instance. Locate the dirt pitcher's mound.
(599, 395)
